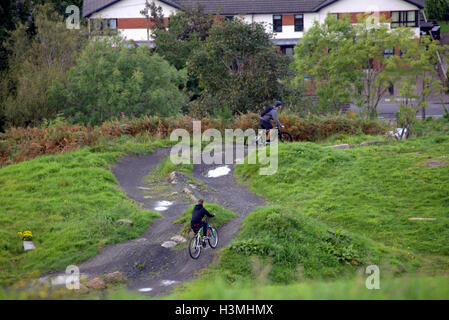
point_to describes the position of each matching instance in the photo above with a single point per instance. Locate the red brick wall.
(135, 23)
(288, 20)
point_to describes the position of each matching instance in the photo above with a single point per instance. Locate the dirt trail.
(144, 261)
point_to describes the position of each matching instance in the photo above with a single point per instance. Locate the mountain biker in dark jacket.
(198, 214)
(270, 113)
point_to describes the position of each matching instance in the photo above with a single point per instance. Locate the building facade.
(287, 19)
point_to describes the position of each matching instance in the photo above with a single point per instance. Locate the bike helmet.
(278, 103)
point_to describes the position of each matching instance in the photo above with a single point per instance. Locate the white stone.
(168, 282)
(145, 289)
(28, 245)
(178, 238)
(169, 244)
(144, 188)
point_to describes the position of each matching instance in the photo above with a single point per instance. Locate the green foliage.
(370, 191)
(238, 68)
(346, 62)
(437, 9)
(405, 288)
(222, 215)
(292, 245)
(71, 204)
(35, 64)
(405, 117)
(111, 78)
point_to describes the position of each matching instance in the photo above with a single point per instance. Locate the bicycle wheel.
(213, 237)
(194, 247)
(285, 136)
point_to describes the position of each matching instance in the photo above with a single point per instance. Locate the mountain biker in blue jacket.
(270, 113)
(198, 214)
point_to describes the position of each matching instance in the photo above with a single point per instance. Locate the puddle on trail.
(168, 282)
(162, 205)
(145, 289)
(218, 172)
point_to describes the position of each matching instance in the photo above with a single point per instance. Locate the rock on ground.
(341, 146)
(169, 244)
(96, 283)
(116, 276)
(128, 222)
(178, 238)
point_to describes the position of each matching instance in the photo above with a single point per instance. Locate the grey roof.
(234, 7)
(419, 3)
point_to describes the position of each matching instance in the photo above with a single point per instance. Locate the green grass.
(71, 204)
(368, 191)
(409, 288)
(444, 26)
(164, 169)
(222, 215)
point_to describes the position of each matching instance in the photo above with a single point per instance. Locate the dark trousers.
(198, 225)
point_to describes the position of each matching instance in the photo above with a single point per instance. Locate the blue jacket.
(198, 214)
(272, 115)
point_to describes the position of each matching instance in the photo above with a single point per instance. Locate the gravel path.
(146, 263)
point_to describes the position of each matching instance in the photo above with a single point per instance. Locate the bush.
(111, 79)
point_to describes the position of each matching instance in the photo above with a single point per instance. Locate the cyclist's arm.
(275, 117)
(208, 213)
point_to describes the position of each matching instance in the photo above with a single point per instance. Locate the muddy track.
(144, 261)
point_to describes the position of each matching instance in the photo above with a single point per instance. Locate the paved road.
(387, 108)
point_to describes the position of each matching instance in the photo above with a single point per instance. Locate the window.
(404, 19)
(388, 53)
(299, 22)
(277, 23)
(229, 18)
(288, 50)
(112, 24)
(99, 26)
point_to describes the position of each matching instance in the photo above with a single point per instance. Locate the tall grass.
(19, 144)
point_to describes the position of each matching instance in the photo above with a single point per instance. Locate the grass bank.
(71, 203)
(370, 191)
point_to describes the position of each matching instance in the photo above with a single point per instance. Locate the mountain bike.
(284, 136)
(197, 242)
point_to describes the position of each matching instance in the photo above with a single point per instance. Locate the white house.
(288, 19)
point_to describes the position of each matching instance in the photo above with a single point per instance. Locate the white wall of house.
(130, 9)
(348, 6)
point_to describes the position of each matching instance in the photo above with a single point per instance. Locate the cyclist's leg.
(205, 226)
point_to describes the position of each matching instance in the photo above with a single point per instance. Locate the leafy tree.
(110, 78)
(238, 68)
(36, 63)
(421, 59)
(177, 40)
(437, 9)
(326, 55)
(347, 62)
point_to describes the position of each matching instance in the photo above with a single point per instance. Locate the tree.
(348, 62)
(238, 68)
(326, 55)
(110, 78)
(437, 9)
(35, 63)
(421, 59)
